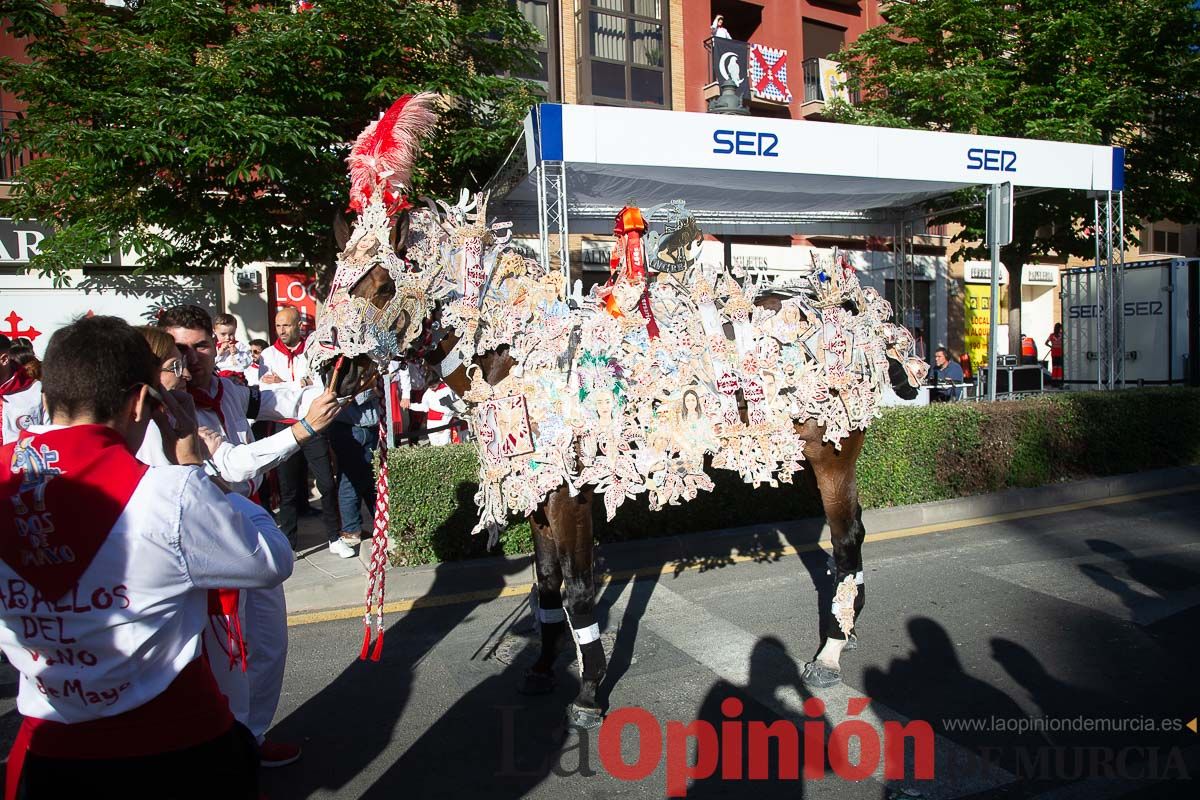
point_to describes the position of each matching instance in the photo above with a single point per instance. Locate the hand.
(177, 422)
(405, 403)
(211, 439)
(320, 415)
(270, 377)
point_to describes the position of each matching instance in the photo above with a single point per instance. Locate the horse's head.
(378, 298)
(377, 305)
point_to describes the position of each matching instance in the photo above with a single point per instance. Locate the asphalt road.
(1063, 622)
(1054, 624)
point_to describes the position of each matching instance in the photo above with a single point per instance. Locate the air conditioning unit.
(249, 281)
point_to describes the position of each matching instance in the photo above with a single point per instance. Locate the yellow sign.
(978, 319)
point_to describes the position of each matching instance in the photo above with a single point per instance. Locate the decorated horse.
(671, 368)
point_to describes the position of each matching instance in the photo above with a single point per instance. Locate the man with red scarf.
(287, 365)
(225, 407)
(20, 396)
(106, 565)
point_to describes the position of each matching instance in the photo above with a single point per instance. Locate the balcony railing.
(824, 80)
(10, 162)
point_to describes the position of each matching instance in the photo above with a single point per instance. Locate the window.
(627, 53)
(542, 16)
(1166, 241)
(821, 40)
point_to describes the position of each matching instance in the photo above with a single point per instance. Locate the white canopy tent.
(755, 175)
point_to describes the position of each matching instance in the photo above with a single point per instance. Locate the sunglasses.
(176, 368)
(153, 393)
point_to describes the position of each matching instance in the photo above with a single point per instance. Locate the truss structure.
(1109, 230)
(552, 219)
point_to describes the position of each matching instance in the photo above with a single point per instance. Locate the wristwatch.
(210, 469)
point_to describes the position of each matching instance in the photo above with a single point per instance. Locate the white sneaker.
(339, 547)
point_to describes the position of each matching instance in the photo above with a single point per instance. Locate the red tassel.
(241, 640)
(378, 647)
(366, 641)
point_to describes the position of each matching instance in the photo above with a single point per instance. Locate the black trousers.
(293, 487)
(226, 767)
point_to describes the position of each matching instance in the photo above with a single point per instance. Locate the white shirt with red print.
(133, 620)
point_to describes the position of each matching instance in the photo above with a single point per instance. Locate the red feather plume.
(387, 148)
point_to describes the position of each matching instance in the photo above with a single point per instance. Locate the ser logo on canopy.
(745, 143)
(992, 160)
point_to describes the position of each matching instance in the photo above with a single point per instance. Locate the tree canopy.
(1111, 72)
(213, 133)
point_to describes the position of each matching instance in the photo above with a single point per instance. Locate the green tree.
(212, 133)
(1110, 72)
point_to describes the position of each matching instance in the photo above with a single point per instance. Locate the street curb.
(479, 580)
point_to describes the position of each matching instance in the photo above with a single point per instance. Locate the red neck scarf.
(291, 354)
(67, 487)
(19, 382)
(213, 403)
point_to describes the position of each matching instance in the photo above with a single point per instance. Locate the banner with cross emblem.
(768, 74)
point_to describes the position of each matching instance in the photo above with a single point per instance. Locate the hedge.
(911, 455)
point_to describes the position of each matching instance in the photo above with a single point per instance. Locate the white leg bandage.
(551, 615)
(831, 653)
(587, 635)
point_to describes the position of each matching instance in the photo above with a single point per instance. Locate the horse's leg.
(547, 603)
(860, 597)
(834, 471)
(571, 520)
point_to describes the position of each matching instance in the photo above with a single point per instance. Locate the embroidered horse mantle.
(629, 390)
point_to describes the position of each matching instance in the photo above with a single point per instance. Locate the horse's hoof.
(851, 642)
(536, 683)
(820, 676)
(583, 717)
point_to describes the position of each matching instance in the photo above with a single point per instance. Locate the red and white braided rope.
(377, 573)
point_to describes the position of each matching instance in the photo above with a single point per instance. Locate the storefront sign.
(595, 255)
(294, 289)
(20, 239)
(981, 272)
(527, 246)
(1039, 275)
(32, 307)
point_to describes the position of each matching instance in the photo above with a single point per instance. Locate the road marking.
(725, 649)
(435, 601)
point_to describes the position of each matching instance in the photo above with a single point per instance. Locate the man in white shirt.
(112, 561)
(257, 369)
(224, 407)
(718, 27)
(287, 365)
